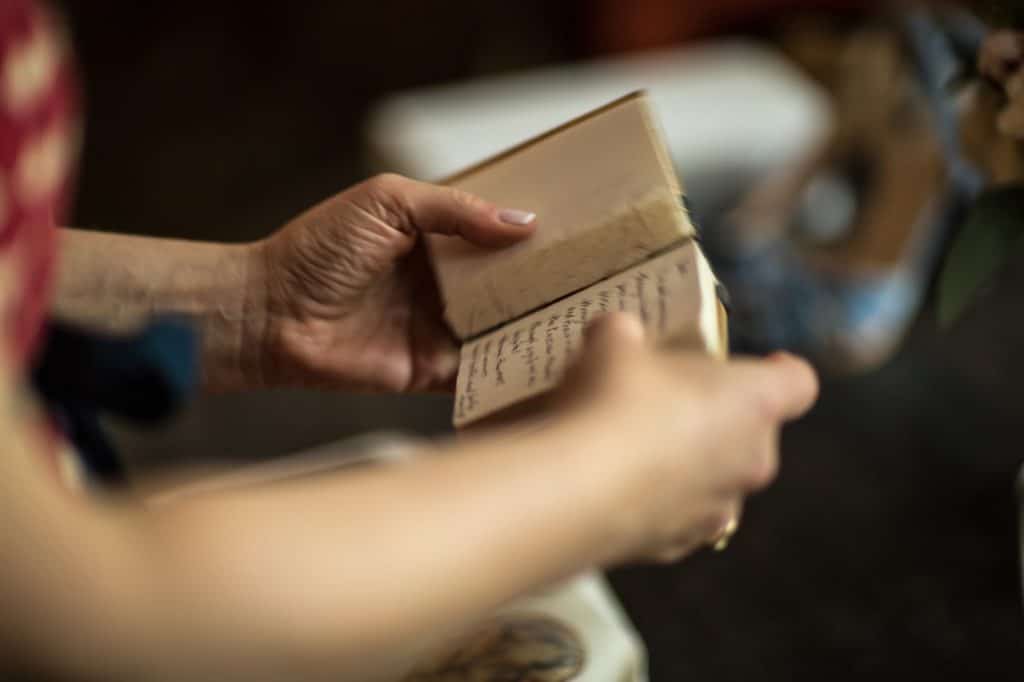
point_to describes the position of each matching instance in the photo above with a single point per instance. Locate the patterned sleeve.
(38, 139)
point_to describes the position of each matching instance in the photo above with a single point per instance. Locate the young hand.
(683, 438)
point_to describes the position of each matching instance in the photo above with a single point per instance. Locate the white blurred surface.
(720, 105)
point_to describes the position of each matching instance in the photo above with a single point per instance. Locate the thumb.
(437, 209)
(613, 334)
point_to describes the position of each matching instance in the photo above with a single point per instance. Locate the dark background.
(886, 550)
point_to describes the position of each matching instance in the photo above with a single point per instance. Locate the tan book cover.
(613, 234)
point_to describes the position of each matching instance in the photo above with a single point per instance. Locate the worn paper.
(673, 294)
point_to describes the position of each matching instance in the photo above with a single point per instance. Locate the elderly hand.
(349, 296)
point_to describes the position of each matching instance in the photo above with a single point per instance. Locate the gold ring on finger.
(721, 541)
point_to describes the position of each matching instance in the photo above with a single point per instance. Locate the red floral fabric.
(38, 133)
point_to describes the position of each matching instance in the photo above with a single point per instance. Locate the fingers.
(436, 362)
(785, 386)
(423, 207)
(782, 387)
(729, 526)
(747, 464)
(610, 343)
(797, 383)
(718, 525)
(676, 552)
(763, 464)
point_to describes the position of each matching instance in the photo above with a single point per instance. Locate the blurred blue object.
(821, 268)
(144, 377)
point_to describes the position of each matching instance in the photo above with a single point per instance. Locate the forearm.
(329, 578)
(334, 577)
(114, 282)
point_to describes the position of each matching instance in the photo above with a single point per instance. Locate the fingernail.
(515, 217)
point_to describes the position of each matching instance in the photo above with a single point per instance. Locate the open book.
(613, 234)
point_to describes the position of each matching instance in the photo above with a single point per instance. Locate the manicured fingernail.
(515, 217)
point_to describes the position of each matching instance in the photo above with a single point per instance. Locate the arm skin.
(115, 282)
(341, 296)
(317, 579)
(648, 454)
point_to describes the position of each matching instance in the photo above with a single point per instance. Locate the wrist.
(114, 283)
(234, 329)
(594, 463)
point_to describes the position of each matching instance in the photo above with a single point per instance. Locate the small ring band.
(721, 541)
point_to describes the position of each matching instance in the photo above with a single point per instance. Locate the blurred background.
(816, 142)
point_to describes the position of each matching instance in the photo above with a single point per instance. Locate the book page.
(673, 294)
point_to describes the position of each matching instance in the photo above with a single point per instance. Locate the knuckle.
(386, 199)
(460, 197)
